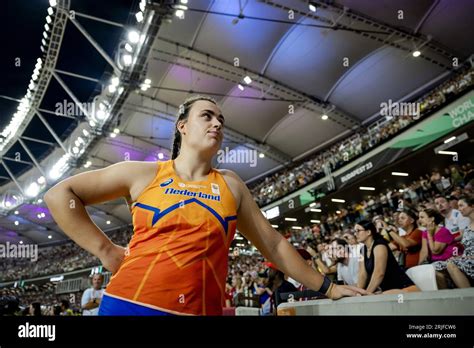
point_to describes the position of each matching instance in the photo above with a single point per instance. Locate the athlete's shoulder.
(231, 175)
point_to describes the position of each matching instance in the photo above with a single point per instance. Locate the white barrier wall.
(441, 302)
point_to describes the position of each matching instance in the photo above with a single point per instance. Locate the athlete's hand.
(112, 257)
(339, 291)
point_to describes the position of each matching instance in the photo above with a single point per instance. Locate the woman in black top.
(379, 270)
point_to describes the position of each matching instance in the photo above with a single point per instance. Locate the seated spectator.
(378, 269)
(461, 268)
(278, 285)
(453, 219)
(346, 260)
(410, 242)
(35, 309)
(438, 243)
(65, 310)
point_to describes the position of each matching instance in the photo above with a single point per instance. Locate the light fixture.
(312, 204)
(338, 211)
(312, 8)
(32, 190)
(247, 80)
(127, 59)
(416, 53)
(142, 5)
(275, 226)
(133, 36)
(128, 47)
(17, 212)
(112, 89)
(50, 236)
(85, 132)
(108, 222)
(16, 223)
(290, 219)
(75, 150)
(53, 3)
(112, 135)
(88, 164)
(45, 35)
(401, 190)
(160, 155)
(40, 201)
(21, 242)
(399, 174)
(50, 11)
(366, 188)
(449, 140)
(261, 155)
(8, 204)
(179, 14)
(48, 19)
(324, 117)
(43, 215)
(452, 153)
(337, 200)
(184, 2)
(116, 130)
(315, 221)
(297, 227)
(147, 81)
(181, 7)
(240, 87)
(46, 27)
(92, 123)
(139, 16)
(315, 210)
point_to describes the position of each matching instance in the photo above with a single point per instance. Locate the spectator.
(378, 270)
(35, 309)
(438, 243)
(410, 242)
(278, 285)
(346, 260)
(461, 268)
(92, 296)
(453, 219)
(65, 310)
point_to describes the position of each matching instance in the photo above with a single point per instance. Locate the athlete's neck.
(191, 168)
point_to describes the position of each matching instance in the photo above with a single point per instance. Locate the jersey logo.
(215, 189)
(166, 183)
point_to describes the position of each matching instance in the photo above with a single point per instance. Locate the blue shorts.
(114, 306)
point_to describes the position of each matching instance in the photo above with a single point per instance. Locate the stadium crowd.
(429, 221)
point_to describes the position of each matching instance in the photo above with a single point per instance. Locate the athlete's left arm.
(273, 246)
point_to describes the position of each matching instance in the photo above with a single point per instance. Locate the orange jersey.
(177, 260)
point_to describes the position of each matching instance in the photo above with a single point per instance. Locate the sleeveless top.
(394, 277)
(177, 258)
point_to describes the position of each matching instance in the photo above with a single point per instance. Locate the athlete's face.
(203, 129)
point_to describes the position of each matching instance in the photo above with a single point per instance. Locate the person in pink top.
(438, 243)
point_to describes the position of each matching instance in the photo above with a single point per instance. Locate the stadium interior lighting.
(399, 174)
(290, 219)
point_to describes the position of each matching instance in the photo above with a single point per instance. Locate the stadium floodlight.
(290, 219)
(17, 223)
(50, 236)
(240, 87)
(75, 150)
(112, 89)
(297, 227)
(449, 140)
(50, 11)
(399, 174)
(117, 131)
(315, 210)
(451, 153)
(108, 222)
(100, 114)
(128, 47)
(275, 226)
(53, 3)
(32, 190)
(48, 19)
(312, 7)
(139, 16)
(160, 155)
(337, 200)
(179, 14)
(338, 211)
(181, 7)
(45, 35)
(247, 80)
(147, 81)
(366, 188)
(85, 132)
(416, 53)
(315, 221)
(114, 81)
(88, 164)
(142, 5)
(127, 59)
(46, 27)
(324, 117)
(261, 155)
(41, 180)
(17, 212)
(133, 36)
(112, 135)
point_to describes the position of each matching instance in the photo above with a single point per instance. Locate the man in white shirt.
(345, 260)
(453, 219)
(92, 296)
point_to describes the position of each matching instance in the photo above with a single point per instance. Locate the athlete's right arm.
(67, 200)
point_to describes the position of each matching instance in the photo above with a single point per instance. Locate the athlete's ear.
(181, 126)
